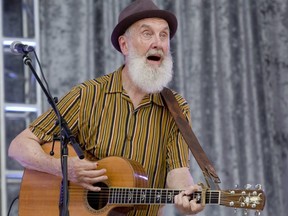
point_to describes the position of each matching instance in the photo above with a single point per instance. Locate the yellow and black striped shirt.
(102, 118)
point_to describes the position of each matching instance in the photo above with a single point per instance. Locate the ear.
(122, 40)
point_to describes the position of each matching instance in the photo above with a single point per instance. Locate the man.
(122, 114)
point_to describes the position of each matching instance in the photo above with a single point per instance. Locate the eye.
(164, 35)
(147, 34)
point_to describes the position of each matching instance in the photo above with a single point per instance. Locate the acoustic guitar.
(125, 188)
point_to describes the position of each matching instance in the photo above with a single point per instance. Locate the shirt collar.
(115, 86)
(157, 99)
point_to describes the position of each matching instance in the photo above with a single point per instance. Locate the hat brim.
(122, 26)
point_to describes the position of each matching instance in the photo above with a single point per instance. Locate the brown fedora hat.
(137, 10)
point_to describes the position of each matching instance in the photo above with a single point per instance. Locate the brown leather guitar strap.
(189, 136)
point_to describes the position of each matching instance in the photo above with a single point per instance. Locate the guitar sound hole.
(98, 200)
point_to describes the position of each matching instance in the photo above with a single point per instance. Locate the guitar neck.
(155, 196)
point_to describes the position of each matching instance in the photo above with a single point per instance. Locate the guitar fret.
(210, 195)
(152, 192)
(215, 197)
(118, 195)
(143, 196)
(207, 197)
(138, 196)
(163, 196)
(170, 196)
(129, 196)
(158, 196)
(121, 196)
(154, 196)
(148, 196)
(124, 195)
(110, 195)
(115, 195)
(218, 197)
(134, 196)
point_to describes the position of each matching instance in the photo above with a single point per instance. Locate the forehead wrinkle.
(149, 23)
(144, 25)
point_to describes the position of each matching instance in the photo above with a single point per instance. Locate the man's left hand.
(183, 204)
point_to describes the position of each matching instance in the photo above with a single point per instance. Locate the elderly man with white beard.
(122, 114)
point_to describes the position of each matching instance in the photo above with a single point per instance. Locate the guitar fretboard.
(155, 196)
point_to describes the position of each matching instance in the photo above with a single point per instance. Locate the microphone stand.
(66, 136)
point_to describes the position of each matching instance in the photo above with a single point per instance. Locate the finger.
(92, 173)
(90, 187)
(178, 198)
(185, 202)
(192, 189)
(75, 163)
(196, 207)
(95, 179)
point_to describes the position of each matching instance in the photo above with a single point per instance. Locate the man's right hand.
(85, 173)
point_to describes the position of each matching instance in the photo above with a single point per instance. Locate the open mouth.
(154, 58)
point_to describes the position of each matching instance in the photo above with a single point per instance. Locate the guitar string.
(138, 189)
(128, 190)
(123, 197)
(114, 194)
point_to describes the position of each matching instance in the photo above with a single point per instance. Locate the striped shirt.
(103, 119)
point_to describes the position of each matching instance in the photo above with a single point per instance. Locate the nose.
(156, 42)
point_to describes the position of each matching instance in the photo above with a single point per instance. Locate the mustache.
(157, 52)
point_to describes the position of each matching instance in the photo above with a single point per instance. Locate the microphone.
(18, 48)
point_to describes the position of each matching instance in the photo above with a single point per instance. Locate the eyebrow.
(148, 26)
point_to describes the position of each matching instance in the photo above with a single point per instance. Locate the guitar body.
(39, 194)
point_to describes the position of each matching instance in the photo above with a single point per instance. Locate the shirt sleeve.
(178, 150)
(44, 127)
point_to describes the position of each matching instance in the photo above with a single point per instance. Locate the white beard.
(149, 78)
